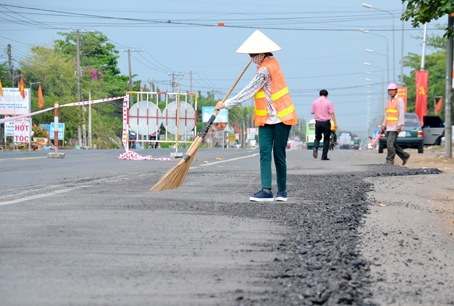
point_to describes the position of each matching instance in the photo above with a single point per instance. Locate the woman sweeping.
(274, 113)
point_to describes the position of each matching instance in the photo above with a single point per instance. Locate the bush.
(39, 131)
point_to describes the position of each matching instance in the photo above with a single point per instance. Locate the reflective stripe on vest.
(260, 112)
(274, 97)
(286, 111)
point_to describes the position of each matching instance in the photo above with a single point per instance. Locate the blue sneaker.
(262, 196)
(281, 196)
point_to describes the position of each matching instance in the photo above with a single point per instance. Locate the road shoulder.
(408, 238)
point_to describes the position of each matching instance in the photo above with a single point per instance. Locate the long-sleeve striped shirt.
(262, 79)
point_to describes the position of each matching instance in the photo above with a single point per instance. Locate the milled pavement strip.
(224, 161)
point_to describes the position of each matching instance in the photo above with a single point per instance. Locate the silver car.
(434, 130)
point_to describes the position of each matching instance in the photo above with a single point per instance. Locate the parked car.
(411, 136)
(434, 130)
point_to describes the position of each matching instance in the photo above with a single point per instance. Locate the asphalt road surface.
(86, 230)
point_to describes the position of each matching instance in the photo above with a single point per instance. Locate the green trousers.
(393, 148)
(273, 140)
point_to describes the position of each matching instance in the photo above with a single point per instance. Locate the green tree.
(55, 68)
(4, 75)
(424, 11)
(55, 72)
(101, 76)
(95, 50)
(435, 63)
(99, 63)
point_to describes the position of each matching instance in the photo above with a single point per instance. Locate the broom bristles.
(175, 177)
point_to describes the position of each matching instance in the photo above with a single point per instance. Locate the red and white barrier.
(131, 155)
(63, 105)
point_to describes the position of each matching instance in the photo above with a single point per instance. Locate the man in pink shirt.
(323, 111)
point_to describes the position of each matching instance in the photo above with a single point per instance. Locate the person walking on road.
(393, 123)
(274, 113)
(323, 111)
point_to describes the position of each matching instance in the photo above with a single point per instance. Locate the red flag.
(21, 87)
(40, 97)
(402, 93)
(1, 88)
(376, 139)
(421, 94)
(439, 105)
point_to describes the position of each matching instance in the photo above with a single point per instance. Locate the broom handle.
(216, 111)
(237, 80)
(380, 134)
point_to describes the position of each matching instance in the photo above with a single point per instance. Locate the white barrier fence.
(156, 110)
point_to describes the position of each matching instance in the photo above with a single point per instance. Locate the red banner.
(421, 94)
(402, 93)
(439, 105)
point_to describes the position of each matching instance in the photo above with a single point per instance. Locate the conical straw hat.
(258, 43)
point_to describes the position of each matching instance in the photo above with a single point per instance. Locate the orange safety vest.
(392, 114)
(280, 97)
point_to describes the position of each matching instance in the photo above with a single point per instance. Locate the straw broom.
(174, 178)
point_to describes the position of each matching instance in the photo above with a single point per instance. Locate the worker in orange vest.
(393, 123)
(274, 113)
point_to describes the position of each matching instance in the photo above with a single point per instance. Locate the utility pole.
(89, 120)
(10, 65)
(140, 89)
(174, 75)
(129, 69)
(402, 50)
(129, 65)
(173, 82)
(448, 92)
(191, 98)
(79, 93)
(150, 80)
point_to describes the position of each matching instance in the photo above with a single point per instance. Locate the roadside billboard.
(12, 103)
(207, 111)
(21, 130)
(61, 131)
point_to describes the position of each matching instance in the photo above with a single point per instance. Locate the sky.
(322, 44)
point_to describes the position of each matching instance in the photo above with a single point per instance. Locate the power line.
(212, 23)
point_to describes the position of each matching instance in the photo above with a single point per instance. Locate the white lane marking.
(22, 158)
(225, 161)
(38, 196)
